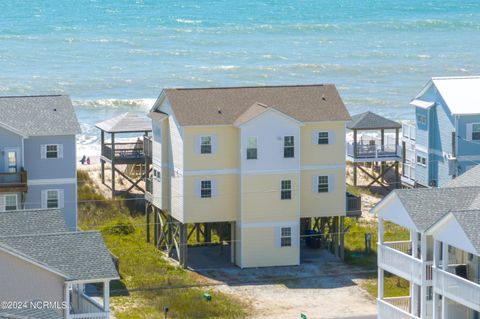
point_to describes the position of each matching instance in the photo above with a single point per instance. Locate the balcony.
(354, 205)
(85, 307)
(456, 288)
(373, 151)
(13, 182)
(395, 308)
(125, 153)
(394, 258)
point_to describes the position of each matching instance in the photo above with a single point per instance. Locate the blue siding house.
(38, 154)
(446, 138)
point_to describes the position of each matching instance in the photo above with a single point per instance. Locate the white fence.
(387, 310)
(457, 288)
(85, 307)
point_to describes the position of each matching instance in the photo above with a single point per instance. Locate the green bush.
(120, 227)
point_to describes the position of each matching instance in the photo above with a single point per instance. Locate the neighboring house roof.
(126, 122)
(35, 221)
(75, 255)
(428, 205)
(253, 111)
(469, 178)
(461, 94)
(42, 115)
(223, 106)
(470, 222)
(29, 313)
(371, 121)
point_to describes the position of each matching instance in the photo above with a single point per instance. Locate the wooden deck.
(13, 182)
(125, 153)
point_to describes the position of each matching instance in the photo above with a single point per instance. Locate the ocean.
(113, 56)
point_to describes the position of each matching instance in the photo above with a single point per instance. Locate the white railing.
(457, 288)
(405, 246)
(408, 131)
(400, 264)
(386, 310)
(85, 307)
(400, 302)
(372, 150)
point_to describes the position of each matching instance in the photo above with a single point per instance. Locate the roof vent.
(219, 111)
(323, 97)
(55, 110)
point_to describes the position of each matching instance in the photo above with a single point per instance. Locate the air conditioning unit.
(433, 184)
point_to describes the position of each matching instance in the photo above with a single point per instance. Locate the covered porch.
(83, 306)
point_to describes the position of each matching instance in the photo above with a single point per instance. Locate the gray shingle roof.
(470, 222)
(39, 115)
(35, 221)
(469, 178)
(126, 122)
(29, 313)
(223, 106)
(427, 205)
(75, 255)
(371, 121)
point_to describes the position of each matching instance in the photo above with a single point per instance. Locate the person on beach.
(88, 160)
(84, 158)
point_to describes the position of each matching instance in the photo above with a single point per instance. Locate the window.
(421, 160)
(286, 189)
(10, 202)
(422, 119)
(323, 184)
(156, 174)
(322, 138)
(429, 293)
(286, 237)
(476, 132)
(252, 148)
(52, 199)
(206, 145)
(288, 147)
(206, 189)
(12, 162)
(52, 151)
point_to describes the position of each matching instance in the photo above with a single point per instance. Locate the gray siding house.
(38, 154)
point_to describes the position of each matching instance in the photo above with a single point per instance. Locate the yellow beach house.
(258, 159)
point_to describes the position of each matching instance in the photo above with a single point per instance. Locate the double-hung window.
(286, 237)
(52, 151)
(252, 148)
(205, 189)
(476, 132)
(322, 186)
(286, 192)
(322, 138)
(206, 145)
(288, 147)
(53, 198)
(10, 202)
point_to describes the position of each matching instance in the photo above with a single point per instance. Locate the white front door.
(11, 159)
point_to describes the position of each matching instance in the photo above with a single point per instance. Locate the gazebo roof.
(371, 121)
(126, 123)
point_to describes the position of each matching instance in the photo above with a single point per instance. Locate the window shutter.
(278, 236)
(2, 203)
(44, 198)
(197, 144)
(43, 151)
(315, 137)
(315, 184)
(60, 150)
(331, 183)
(295, 236)
(331, 137)
(198, 186)
(214, 144)
(469, 132)
(61, 198)
(214, 188)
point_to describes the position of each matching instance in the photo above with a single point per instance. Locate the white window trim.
(284, 146)
(471, 134)
(3, 202)
(43, 151)
(285, 237)
(420, 162)
(286, 190)
(60, 196)
(248, 148)
(328, 138)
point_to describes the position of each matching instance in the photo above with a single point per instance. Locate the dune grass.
(149, 282)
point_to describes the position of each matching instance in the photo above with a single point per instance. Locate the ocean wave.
(101, 103)
(188, 21)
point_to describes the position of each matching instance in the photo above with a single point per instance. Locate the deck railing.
(85, 307)
(372, 150)
(405, 246)
(457, 288)
(124, 151)
(400, 263)
(394, 308)
(13, 182)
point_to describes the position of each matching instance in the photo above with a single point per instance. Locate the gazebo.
(130, 154)
(370, 144)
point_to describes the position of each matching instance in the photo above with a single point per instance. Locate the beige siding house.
(257, 159)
